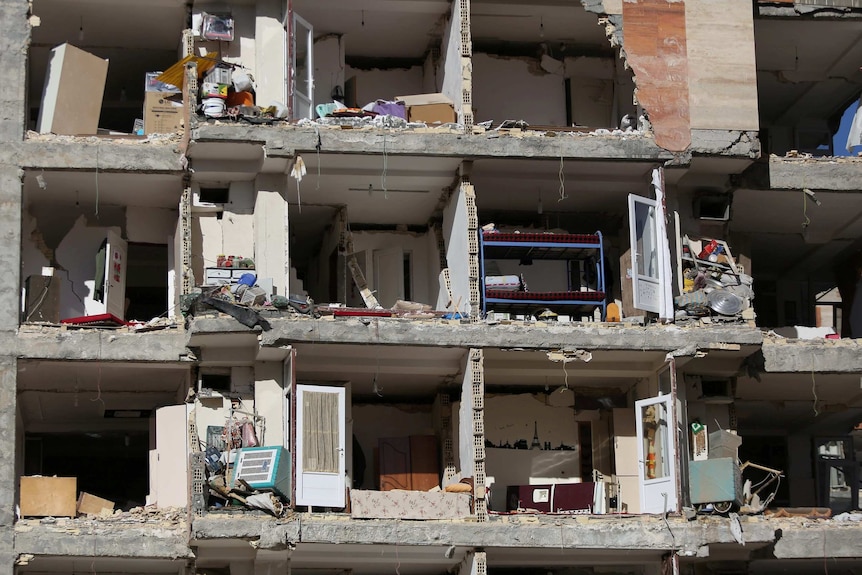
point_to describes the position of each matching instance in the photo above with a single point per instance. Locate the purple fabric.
(385, 108)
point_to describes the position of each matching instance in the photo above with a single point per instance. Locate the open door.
(110, 290)
(320, 446)
(302, 68)
(647, 271)
(389, 275)
(654, 418)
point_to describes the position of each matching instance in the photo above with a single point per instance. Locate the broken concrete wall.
(372, 422)
(655, 43)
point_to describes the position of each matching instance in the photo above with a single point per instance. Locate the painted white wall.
(266, 49)
(455, 233)
(509, 418)
(424, 283)
(464, 432)
(328, 67)
(77, 254)
(379, 84)
(32, 260)
(270, 232)
(233, 234)
(593, 93)
(372, 422)
(517, 89)
(150, 225)
(269, 399)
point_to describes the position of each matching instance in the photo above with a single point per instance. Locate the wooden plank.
(424, 462)
(48, 496)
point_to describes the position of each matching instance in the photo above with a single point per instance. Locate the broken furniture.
(583, 254)
(264, 468)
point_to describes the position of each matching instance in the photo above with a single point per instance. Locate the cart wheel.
(722, 506)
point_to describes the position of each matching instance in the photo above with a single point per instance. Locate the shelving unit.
(571, 248)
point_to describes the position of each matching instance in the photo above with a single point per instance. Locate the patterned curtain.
(320, 432)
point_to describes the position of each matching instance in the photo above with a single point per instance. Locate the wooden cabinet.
(411, 463)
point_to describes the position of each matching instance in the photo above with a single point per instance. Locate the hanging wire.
(385, 169)
(97, 181)
(562, 176)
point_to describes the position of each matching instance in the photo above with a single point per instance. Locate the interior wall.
(231, 234)
(540, 276)
(451, 78)
(77, 254)
(416, 244)
(242, 51)
(593, 91)
(455, 234)
(385, 84)
(328, 67)
(530, 93)
(372, 422)
(510, 418)
(150, 225)
(269, 399)
(270, 231)
(265, 51)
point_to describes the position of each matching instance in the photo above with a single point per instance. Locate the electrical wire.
(385, 169)
(562, 177)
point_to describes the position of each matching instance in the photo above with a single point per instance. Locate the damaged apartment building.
(422, 287)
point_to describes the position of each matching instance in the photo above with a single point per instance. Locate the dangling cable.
(385, 169)
(562, 176)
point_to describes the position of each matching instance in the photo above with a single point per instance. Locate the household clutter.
(712, 282)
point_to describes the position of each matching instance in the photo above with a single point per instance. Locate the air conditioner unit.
(264, 468)
(710, 389)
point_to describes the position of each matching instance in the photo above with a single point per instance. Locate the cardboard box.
(428, 108)
(162, 115)
(90, 504)
(48, 496)
(73, 91)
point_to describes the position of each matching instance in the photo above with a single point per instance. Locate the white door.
(302, 68)
(287, 390)
(389, 275)
(115, 275)
(320, 445)
(647, 275)
(654, 419)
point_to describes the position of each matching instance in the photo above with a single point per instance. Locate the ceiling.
(400, 372)
(67, 188)
(806, 68)
(408, 28)
(59, 396)
(772, 219)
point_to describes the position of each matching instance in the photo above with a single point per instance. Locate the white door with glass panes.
(302, 68)
(656, 454)
(647, 271)
(320, 445)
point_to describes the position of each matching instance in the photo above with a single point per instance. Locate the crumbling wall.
(655, 46)
(385, 84)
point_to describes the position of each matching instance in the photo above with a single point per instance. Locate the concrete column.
(14, 41)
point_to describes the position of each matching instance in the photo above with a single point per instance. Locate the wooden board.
(394, 454)
(424, 462)
(48, 496)
(91, 504)
(72, 96)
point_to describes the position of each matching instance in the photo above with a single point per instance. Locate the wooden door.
(394, 462)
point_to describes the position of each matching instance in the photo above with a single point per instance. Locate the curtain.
(320, 432)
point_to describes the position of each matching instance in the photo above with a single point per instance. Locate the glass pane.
(320, 432)
(655, 441)
(303, 72)
(647, 256)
